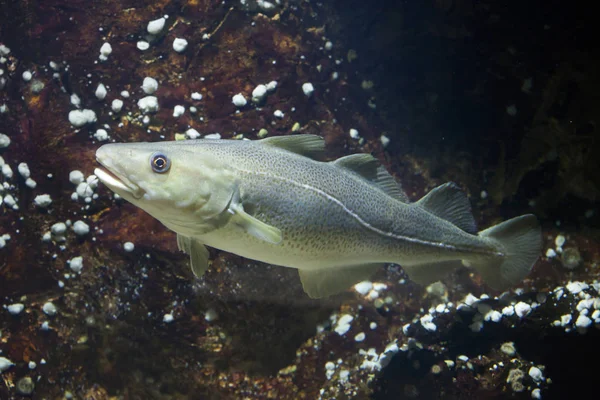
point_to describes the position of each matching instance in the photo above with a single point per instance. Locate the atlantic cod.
(271, 200)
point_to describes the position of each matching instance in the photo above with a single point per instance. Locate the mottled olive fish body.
(336, 222)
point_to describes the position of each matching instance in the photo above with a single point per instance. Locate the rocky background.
(96, 301)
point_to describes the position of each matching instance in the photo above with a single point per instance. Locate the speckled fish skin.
(318, 207)
(332, 220)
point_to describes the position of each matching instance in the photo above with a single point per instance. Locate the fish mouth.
(117, 183)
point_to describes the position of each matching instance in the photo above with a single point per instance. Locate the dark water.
(499, 97)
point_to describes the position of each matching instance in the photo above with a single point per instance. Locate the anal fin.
(323, 283)
(198, 254)
(424, 274)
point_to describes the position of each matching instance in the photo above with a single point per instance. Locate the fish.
(274, 200)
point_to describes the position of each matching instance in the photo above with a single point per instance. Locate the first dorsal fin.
(449, 202)
(369, 168)
(312, 146)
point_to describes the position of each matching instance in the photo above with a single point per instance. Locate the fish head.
(178, 183)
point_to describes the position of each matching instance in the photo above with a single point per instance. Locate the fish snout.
(106, 154)
(114, 158)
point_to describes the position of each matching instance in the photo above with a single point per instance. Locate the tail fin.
(520, 241)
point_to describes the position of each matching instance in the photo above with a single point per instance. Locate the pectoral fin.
(198, 254)
(253, 226)
(323, 283)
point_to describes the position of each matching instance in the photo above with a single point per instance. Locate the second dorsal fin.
(312, 146)
(369, 168)
(449, 202)
(363, 164)
(389, 185)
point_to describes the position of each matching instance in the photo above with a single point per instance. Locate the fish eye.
(160, 163)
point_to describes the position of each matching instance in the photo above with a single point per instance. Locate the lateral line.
(355, 215)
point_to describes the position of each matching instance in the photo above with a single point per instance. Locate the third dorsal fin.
(449, 202)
